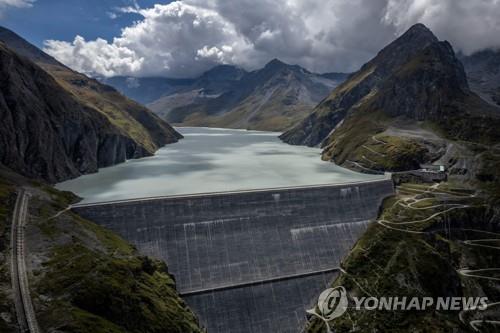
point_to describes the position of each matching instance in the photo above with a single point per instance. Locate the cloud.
(468, 25)
(183, 39)
(5, 4)
(112, 15)
(177, 39)
(16, 3)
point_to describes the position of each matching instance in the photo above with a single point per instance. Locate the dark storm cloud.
(184, 38)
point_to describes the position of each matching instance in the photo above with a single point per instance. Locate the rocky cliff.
(332, 110)
(58, 124)
(399, 110)
(411, 105)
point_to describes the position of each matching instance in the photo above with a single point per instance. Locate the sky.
(185, 38)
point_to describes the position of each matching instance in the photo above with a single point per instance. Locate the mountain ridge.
(314, 129)
(403, 108)
(271, 98)
(416, 116)
(113, 128)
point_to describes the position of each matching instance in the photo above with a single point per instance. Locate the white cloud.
(5, 4)
(96, 56)
(17, 3)
(185, 38)
(177, 39)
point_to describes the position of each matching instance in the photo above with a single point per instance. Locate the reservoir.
(212, 160)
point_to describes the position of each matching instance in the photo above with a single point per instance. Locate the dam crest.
(252, 260)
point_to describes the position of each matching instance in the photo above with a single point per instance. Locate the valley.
(272, 98)
(245, 194)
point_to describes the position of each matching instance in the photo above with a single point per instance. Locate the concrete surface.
(218, 240)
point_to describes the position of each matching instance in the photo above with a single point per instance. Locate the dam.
(248, 261)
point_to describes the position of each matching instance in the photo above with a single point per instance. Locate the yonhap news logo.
(334, 302)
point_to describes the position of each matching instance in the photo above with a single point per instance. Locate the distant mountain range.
(148, 89)
(272, 98)
(58, 124)
(483, 72)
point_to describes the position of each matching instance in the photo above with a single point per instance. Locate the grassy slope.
(387, 262)
(122, 112)
(430, 86)
(87, 279)
(131, 119)
(358, 140)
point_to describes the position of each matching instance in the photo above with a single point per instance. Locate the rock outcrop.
(58, 124)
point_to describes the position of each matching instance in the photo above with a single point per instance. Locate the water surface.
(210, 160)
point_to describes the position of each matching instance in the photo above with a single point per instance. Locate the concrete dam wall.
(248, 261)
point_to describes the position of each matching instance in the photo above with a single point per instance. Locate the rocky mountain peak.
(401, 49)
(417, 36)
(275, 63)
(414, 82)
(419, 31)
(223, 72)
(372, 75)
(424, 86)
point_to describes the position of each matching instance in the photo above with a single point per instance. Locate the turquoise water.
(211, 160)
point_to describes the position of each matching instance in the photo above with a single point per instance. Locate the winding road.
(479, 242)
(22, 298)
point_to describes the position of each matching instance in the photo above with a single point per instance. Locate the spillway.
(248, 261)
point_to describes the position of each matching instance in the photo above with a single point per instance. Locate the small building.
(428, 173)
(433, 167)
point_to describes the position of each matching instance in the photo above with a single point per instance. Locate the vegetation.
(361, 140)
(84, 277)
(94, 281)
(109, 103)
(397, 258)
(7, 198)
(124, 292)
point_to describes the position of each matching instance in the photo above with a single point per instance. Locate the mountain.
(483, 72)
(219, 79)
(400, 110)
(326, 115)
(208, 86)
(148, 89)
(272, 98)
(58, 124)
(412, 105)
(82, 277)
